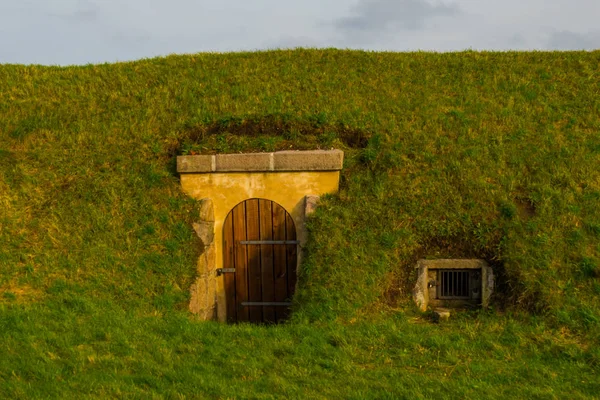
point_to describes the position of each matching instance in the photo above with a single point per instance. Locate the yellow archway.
(226, 180)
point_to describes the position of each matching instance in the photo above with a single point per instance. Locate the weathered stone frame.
(204, 290)
(293, 179)
(421, 294)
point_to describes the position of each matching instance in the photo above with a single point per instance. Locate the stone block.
(244, 162)
(211, 291)
(205, 231)
(202, 266)
(312, 160)
(420, 291)
(487, 285)
(187, 164)
(203, 292)
(207, 210)
(207, 261)
(441, 314)
(211, 260)
(310, 204)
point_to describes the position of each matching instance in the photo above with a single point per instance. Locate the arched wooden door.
(259, 261)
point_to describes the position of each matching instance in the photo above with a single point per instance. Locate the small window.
(458, 284)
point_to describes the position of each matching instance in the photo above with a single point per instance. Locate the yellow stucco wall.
(227, 189)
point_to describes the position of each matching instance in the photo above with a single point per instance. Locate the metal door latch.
(221, 271)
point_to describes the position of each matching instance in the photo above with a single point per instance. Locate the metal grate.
(454, 284)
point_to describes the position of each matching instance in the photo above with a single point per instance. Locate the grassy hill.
(492, 155)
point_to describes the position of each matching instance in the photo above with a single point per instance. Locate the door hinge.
(269, 242)
(266, 303)
(221, 271)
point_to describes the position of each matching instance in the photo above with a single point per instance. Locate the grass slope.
(490, 155)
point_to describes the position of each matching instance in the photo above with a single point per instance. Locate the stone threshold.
(280, 161)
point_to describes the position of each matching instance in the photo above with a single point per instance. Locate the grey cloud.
(567, 40)
(83, 11)
(381, 16)
(517, 40)
(85, 15)
(82, 31)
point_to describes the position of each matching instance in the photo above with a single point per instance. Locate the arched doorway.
(259, 261)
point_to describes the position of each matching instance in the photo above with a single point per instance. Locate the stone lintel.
(244, 162)
(195, 163)
(281, 161)
(313, 160)
(449, 263)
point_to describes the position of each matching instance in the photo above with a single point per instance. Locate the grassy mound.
(491, 155)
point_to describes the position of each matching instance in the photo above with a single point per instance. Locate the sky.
(66, 32)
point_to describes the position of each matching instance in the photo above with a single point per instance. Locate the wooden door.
(259, 261)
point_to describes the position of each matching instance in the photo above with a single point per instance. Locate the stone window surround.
(421, 290)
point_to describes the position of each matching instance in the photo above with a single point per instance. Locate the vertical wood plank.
(253, 252)
(291, 260)
(241, 259)
(279, 260)
(292, 255)
(229, 262)
(266, 255)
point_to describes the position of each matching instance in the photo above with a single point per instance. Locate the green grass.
(491, 155)
(107, 352)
